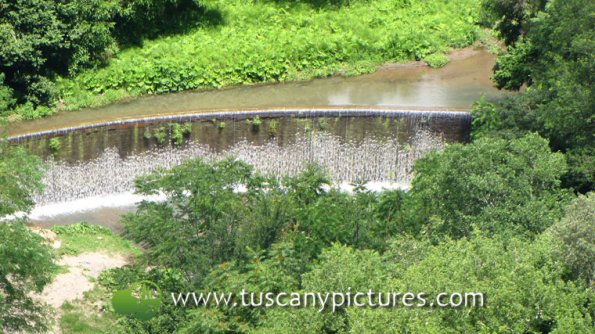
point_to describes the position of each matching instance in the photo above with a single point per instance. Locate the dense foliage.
(25, 261)
(219, 43)
(224, 227)
(555, 60)
(493, 216)
(497, 186)
(20, 177)
(43, 39)
(25, 266)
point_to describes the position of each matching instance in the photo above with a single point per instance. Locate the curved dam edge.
(248, 113)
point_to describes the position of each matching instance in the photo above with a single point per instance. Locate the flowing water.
(370, 127)
(455, 86)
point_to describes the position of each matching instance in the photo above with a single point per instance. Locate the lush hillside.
(243, 42)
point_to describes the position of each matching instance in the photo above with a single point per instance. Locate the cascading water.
(369, 160)
(97, 164)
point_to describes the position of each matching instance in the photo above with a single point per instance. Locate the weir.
(353, 144)
(462, 116)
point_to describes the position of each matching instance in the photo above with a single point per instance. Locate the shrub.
(55, 145)
(436, 60)
(160, 135)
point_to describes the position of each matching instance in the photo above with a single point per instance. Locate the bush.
(160, 135)
(436, 60)
(576, 232)
(495, 185)
(55, 145)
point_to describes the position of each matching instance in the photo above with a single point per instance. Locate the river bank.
(414, 86)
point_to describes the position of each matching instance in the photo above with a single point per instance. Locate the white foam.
(129, 199)
(126, 199)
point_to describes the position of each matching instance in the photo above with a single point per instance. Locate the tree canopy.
(26, 262)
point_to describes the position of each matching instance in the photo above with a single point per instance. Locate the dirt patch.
(457, 54)
(82, 268)
(396, 66)
(460, 54)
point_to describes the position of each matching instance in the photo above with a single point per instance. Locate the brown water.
(453, 87)
(131, 139)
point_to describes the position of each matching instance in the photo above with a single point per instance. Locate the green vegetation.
(78, 322)
(553, 56)
(26, 262)
(576, 232)
(83, 237)
(255, 122)
(160, 135)
(55, 145)
(493, 177)
(497, 215)
(436, 60)
(92, 313)
(273, 127)
(177, 133)
(186, 128)
(26, 265)
(492, 223)
(69, 65)
(147, 134)
(43, 40)
(20, 177)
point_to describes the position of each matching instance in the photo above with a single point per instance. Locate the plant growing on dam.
(254, 123)
(55, 145)
(187, 129)
(177, 133)
(160, 135)
(322, 124)
(147, 134)
(273, 127)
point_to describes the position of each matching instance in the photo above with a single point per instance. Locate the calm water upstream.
(454, 86)
(90, 177)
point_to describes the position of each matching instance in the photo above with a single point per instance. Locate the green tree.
(555, 60)
(196, 226)
(510, 17)
(20, 177)
(496, 185)
(25, 261)
(26, 265)
(7, 99)
(576, 232)
(42, 38)
(521, 283)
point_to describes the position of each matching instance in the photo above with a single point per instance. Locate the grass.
(83, 237)
(84, 317)
(92, 314)
(275, 41)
